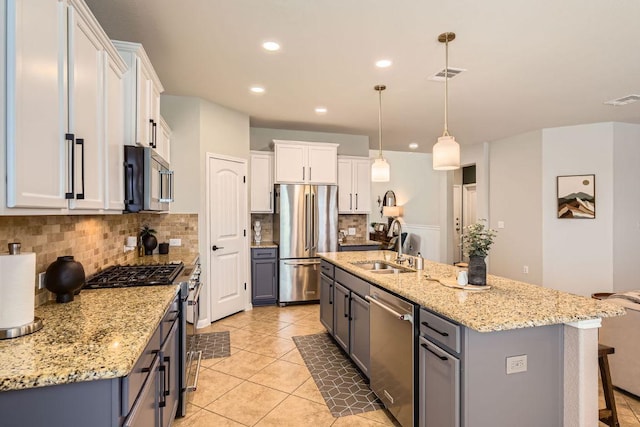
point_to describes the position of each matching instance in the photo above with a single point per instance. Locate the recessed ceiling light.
(271, 46)
(413, 145)
(321, 110)
(383, 63)
(257, 89)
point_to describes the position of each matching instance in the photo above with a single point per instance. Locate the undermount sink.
(381, 267)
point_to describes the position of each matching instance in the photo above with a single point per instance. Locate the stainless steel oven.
(193, 356)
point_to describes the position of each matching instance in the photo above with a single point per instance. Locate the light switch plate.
(352, 231)
(41, 280)
(500, 224)
(175, 242)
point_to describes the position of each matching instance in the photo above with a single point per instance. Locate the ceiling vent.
(452, 72)
(629, 99)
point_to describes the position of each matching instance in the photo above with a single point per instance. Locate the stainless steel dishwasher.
(392, 340)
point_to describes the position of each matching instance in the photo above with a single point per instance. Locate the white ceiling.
(531, 64)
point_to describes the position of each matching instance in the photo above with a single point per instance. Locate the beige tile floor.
(266, 383)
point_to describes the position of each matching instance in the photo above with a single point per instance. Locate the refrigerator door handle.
(314, 241)
(302, 264)
(306, 222)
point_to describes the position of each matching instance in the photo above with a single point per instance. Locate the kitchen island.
(86, 348)
(558, 332)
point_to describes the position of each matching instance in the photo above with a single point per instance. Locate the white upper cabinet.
(298, 162)
(114, 136)
(354, 185)
(142, 96)
(163, 143)
(261, 179)
(56, 112)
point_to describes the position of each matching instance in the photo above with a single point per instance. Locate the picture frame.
(576, 196)
(380, 227)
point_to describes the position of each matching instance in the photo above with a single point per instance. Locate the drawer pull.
(426, 347)
(444, 334)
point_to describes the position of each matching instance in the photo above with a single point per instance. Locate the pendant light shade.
(446, 152)
(380, 170)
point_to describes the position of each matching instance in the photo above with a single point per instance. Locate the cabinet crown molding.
(324, 144)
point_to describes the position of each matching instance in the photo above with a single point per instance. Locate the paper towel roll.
(17, 293)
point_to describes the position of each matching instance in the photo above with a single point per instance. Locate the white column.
(581, 373)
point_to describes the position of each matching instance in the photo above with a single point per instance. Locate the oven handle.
(194, 386)
(196, 294)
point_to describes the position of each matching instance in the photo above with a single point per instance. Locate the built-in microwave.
(148, 180)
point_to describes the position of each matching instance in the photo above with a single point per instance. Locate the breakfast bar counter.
(508, 304)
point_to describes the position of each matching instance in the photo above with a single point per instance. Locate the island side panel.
(526, 399)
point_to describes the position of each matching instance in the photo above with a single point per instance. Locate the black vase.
(63, 277)
(149, 242)
(477, 270)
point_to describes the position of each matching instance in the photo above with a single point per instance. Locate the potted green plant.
(476, 242)
(148, 239)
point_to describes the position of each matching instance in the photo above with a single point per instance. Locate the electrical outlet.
(175, 242)
(500, 224)
(41, 280)
(516, 364)
(525, 269)
(352, 231)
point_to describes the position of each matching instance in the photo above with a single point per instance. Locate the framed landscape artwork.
(577, 196)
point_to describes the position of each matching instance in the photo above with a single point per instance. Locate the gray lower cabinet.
(147, 397)
(326, 302)
(351, 248)
(351, 317)
(341, 315)
(439, 386)
(264, 276)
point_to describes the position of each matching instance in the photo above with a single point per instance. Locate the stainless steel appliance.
(194, 357)
(120, 276)
(148, 180)
(391, 344)
(305, 223)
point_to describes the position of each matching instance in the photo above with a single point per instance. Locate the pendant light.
(446, 152)
(380, 167)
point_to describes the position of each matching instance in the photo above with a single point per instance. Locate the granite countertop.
(359, 242)
(99, 335)
(509, 304)
(264, 244)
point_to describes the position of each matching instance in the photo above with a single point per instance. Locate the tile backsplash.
(359, 222)
(96, 241)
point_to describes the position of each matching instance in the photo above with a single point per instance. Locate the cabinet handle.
(346, 305)
(163, 400)
(309, 173)
(350, 201)
(71, 171)
(151, 133)
(270, 201)
(444, 334)
(303, 173)
(330, 294)
(167, 391)
(80, 142)
(155, 135)
(426, 347)
(350, 316)
(356, 201)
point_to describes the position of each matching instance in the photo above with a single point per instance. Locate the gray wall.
(626, 206)
(350, 145)
(515, 186)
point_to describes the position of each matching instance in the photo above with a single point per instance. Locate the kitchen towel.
(17, 293)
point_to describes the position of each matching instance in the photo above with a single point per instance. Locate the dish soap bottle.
(419, 262)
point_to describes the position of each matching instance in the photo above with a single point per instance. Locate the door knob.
(215, 248)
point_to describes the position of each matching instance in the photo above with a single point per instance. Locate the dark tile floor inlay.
(341, 384)
(212, 344)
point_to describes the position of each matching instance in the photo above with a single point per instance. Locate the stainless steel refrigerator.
(305, 222)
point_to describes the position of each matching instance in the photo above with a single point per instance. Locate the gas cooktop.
(122, 276)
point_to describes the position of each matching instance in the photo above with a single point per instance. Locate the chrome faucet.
(400, 259)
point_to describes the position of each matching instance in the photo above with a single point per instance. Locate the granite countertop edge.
(508, 305)
(266, 244)
(81, 341)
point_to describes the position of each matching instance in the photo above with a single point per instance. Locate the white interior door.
(227, 219)
(469, 205)
(457, 223)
